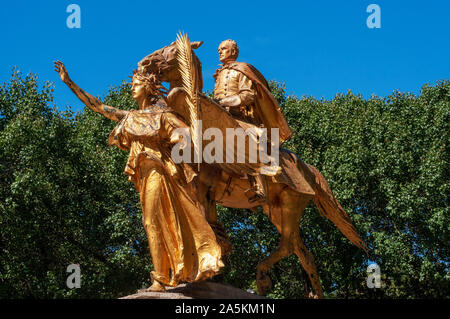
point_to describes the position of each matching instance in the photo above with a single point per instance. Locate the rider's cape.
(266, 106)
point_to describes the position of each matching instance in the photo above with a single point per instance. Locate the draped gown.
(182, 244)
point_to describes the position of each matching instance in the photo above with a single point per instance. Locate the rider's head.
(228, 51)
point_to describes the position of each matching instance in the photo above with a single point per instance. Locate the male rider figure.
(244, 92)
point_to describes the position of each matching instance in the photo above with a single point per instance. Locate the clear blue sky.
(318, 48)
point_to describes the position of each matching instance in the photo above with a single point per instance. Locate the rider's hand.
(61, 69)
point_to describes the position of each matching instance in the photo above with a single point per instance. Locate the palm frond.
(188, 76)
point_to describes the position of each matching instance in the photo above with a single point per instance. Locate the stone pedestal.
(202, 290)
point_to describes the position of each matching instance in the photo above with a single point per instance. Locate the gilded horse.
(288, 193)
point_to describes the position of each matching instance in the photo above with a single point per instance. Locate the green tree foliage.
(64, 198)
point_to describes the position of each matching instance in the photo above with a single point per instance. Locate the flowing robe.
(182, 244)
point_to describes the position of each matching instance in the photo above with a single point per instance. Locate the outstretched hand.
(61, 69)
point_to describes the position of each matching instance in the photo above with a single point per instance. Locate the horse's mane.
(198, 70)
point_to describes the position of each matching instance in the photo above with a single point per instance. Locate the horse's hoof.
(264, 284)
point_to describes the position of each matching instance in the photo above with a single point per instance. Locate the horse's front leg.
(217, 227)
(206, 197)
(263, 281)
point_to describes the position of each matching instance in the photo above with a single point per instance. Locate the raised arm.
(90, 101)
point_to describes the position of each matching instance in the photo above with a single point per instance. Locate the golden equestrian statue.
(179, 198)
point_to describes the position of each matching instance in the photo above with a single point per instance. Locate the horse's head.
(163, 63)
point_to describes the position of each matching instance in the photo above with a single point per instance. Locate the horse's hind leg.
(285, 215)
(307, 261)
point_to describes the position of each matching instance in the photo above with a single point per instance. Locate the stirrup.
(255, 197)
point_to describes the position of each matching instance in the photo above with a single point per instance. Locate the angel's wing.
(236, 157)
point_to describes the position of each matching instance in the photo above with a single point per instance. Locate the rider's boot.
(257, 192)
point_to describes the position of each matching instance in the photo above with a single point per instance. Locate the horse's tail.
(330, 208)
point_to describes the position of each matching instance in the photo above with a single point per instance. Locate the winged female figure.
(182, 244)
